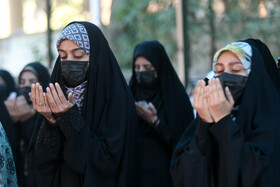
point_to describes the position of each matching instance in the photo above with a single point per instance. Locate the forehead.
(68, 45)
(140, 60)
(28, 75)
(226, 58)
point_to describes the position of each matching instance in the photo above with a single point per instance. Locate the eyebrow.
(231, 63)
(73, 50)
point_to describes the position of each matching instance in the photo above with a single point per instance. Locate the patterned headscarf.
(7, 166)
(78, 93)
(242, 50)
(78, 34)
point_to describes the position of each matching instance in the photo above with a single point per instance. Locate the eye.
(237, 68)
(137, 67)
(63, 57)
(148, 67)
(219, 69)
(79, 57)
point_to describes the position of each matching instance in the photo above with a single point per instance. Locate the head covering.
(78, 34)
(241, 49)
(170, 97)
(39, 70)
(9, 84)
(7, 166)
(110, 116)
(252, 158)
(267, 57)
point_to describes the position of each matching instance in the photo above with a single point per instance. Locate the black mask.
(74, 73)
(146, 79)
(236, 85)
(25, 92)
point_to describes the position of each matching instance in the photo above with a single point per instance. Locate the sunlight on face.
(70, 51)
(228, 62)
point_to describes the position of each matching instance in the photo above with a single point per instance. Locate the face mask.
(146, 79)
(25, 92)
(236, 85)
(74, 73)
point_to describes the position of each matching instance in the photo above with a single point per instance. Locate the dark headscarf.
(39, 70)
(10, 84)
(251, 158)
(170, 93)
(109, 112)
(270, 64)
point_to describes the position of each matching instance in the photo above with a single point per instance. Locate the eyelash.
(76, 57)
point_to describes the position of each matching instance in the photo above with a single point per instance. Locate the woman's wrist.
(51, 120)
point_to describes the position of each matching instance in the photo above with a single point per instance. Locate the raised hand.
(148, 115)
(57, 101)
(40, 102)
(200, 102)
(219, 104)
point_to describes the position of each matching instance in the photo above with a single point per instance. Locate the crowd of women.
(83, 125)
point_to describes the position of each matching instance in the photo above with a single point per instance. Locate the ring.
(41, 104)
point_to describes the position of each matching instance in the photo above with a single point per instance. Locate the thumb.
(71, 98)
(229, 97)
(152, 108)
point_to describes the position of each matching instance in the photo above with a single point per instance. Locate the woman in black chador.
(163, 108)
(86, 135)
(234, 141)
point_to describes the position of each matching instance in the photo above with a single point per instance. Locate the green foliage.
(240, 19)
(132, 23)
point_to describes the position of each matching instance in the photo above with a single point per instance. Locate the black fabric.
(99, 146)
(270, 63)
(24, 130)
(41, 72)
(241, 151)
(173, 108)
(10, 84)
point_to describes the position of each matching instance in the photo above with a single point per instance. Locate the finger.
(142, 108)
(50, 100)
(46, 100)
(41, 97)
(201, 92)
(152, 108)
(60, 94)
(37, 101)
(71, 98)
(55, 95)
(139, 109)
(219, 87)
(211, 96)
(32, 94)
(196, 93)
(229, 97)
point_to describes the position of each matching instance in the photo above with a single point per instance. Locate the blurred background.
(190, 30)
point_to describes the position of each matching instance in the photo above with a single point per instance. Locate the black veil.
(110, 115)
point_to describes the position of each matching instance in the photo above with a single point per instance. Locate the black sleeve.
(191, 159)
(26, 129)
(242, 159)
(45, 158)
(84, 150)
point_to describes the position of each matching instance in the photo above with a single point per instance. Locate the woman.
(7, 87)
(169, 111)
(23, 115)
(86, 135)
(235, 139)
(7, 167)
